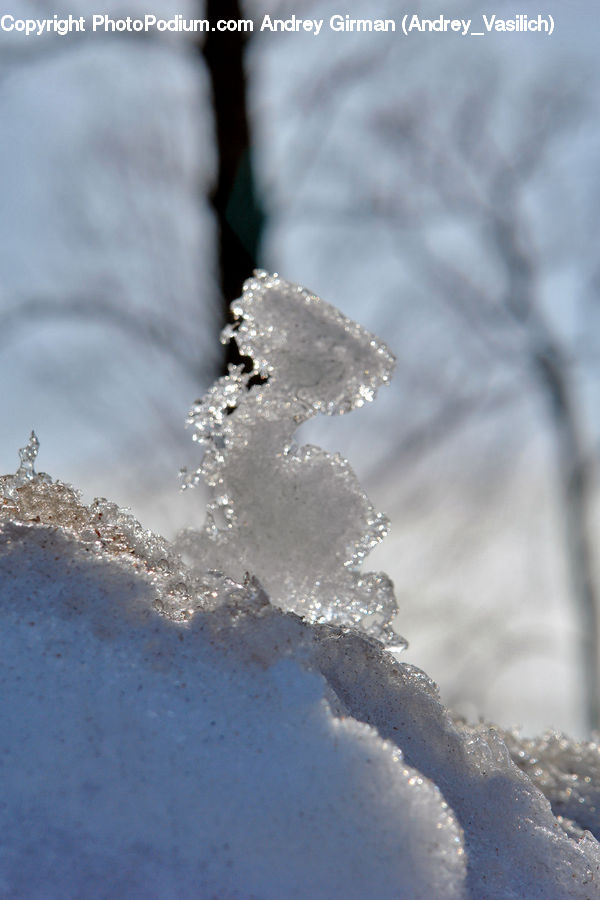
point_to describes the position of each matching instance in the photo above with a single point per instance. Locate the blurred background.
(441, 190)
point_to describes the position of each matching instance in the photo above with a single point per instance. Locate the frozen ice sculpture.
(295, 517)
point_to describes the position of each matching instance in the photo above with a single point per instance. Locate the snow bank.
(169, 732)
(147, 757)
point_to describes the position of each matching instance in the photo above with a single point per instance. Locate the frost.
(28, 455)
(296, 517)
(9, 484)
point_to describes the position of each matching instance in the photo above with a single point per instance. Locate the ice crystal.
(28, 455)
(296, 517)
(9, 484)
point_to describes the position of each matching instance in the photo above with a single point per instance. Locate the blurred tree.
(465, 178)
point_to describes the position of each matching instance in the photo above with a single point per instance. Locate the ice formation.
(295, 517)
(170, 732)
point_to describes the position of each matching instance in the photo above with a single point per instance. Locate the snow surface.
(168, 732)
(242, 752)
(148, 758)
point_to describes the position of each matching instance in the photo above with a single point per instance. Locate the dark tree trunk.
(234, 198)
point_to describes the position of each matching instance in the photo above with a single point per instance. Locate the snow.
(169, 732)
(154, 758)
(243, 753)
